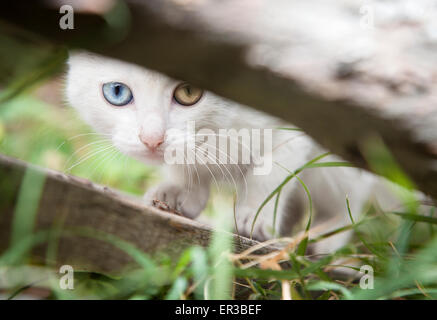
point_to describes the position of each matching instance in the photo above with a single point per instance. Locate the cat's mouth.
(152, 156)
(155, 157)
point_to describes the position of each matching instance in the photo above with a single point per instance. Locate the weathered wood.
(310, 62)
(70, 203)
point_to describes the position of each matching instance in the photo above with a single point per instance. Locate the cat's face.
(137, 107)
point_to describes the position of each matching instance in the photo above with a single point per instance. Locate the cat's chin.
(156, 158)
(153, 159)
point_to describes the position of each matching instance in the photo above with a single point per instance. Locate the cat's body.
(141, 129)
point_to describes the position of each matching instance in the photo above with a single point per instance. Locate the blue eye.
(117, 93)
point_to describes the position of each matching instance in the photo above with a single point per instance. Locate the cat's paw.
(171, 197)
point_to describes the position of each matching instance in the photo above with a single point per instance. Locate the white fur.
(153, 112)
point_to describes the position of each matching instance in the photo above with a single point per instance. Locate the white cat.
(139, 108)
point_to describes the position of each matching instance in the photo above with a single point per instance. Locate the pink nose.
(151, 141)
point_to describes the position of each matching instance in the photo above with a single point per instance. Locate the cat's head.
(137, 107)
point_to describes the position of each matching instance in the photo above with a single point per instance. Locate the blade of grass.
(323, 285)
(199, 260)
(304, 243)
(283, 183)
(254, 273)
(275, 210)
(219, 250)
(359, 235)
(415, 217)
(431, 214)
(297, 268)
(178, 289)
(26, 209)
(15, 253)
(330, 164)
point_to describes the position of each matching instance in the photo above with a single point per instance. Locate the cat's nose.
(151, 141)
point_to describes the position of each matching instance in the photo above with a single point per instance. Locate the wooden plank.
(72, 204)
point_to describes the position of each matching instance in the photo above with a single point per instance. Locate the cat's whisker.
(212, 174)
(98, 146)
(198, 134)
(204, 152)
(89, 134)
(189, 181)
(233, 160)
(214, 147)
(230, 174)
(239, 142)
(114, 157)
(82, 135)
(97, 142)
(219, 166)
(102, 160)
(241, 171)
(197, 173)
(227, 136)
(89, 156)
(286, 142)
(189, 165)
(214, 161)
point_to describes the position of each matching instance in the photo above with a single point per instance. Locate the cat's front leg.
(188, 202)
(179, 193)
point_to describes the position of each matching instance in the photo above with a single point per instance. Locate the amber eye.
(185, 94)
